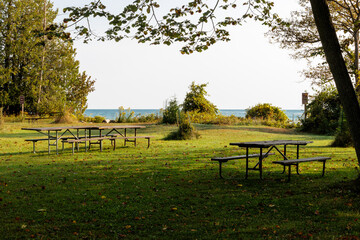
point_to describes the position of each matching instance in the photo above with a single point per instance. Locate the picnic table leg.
(220, 164)
(323, 172)
(284, 159)
(33, 146)
(85, 141)
(77, 135)
(56, 143)
(260, 162)
(247, 162)
(125, 138)
(297, 157)
(48, 142)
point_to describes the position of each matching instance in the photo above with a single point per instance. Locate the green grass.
(172, 189)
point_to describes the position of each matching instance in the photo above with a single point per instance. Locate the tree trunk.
(338, 68)
(356, 62)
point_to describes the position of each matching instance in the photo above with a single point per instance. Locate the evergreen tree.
(35, 63)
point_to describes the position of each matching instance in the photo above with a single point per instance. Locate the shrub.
(98, 119)
(66, 116)
(267, 112)
(323, 112)
(148, 118)
(125, 116)
(209, 118)
(170, 112)
(342, 137)
(186, 130)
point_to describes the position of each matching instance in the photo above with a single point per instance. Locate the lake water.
(112, 114)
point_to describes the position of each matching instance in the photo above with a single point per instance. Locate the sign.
(305, 98)
(22, 99)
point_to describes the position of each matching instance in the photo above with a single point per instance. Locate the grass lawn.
(172, 190)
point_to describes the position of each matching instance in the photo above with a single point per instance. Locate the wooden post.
(305, 100)
(22, 102)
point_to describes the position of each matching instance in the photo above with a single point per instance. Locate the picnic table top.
(266, 144)
(60, 128)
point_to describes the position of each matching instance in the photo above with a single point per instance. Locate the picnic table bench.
(296, 162)
(226, 159)
(127, 139)
(36, 140)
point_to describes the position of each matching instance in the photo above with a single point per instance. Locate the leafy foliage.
(323, 112)
(195, 100)
(37, 64)
(170, 112)
(267, 112)
(128, 116)
(343, 135)
(125, 115)
(193, 24)
(300, 35)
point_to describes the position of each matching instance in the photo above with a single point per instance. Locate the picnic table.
(55, 134)
(270, 146)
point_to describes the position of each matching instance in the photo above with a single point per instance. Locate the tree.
(171, 111)
(323, 112)
(36, 63)
(195, 100)
(300, 34)
(187, 24)
(338, 68)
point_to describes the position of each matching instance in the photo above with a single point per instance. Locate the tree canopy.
(300, 35)
(37, 64)
(195, 100)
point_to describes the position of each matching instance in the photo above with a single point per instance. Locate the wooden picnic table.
(270, 145)
(53, 133)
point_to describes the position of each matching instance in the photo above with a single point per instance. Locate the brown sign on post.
(22, 99)
(305, 98)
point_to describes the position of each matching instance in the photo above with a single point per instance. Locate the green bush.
(209, 118)
(186, 130)
(148, 118)
(170, 112)
(267, 112)
(99, 119)
(323, 112)
(342, 137)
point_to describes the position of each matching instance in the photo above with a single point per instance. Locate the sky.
(241, 73)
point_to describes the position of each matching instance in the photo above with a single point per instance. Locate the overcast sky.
(241, 73)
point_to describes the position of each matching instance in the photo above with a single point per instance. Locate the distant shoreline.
(112, 114)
